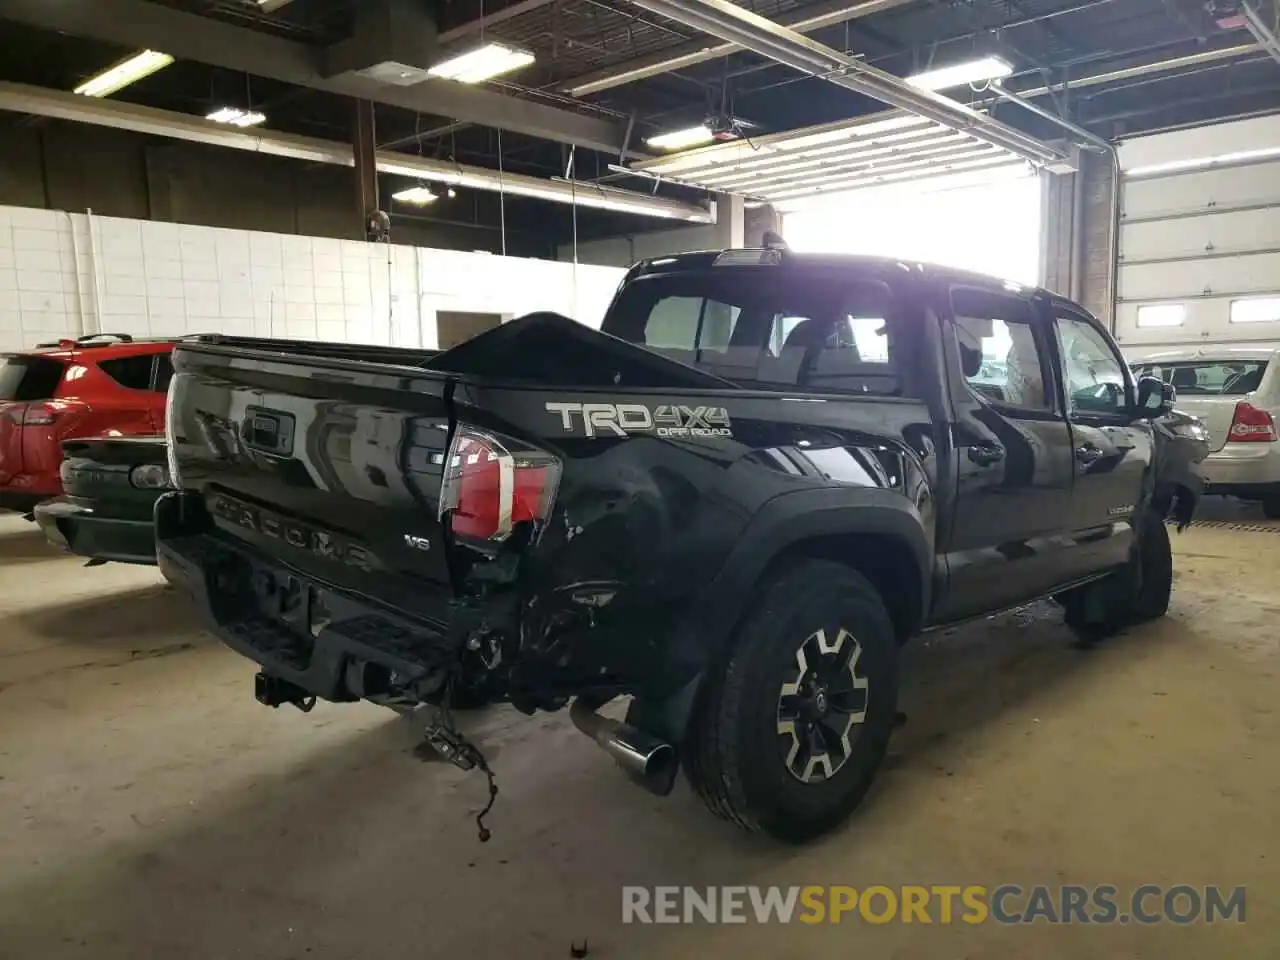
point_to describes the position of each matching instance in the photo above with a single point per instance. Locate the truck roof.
(765, 256)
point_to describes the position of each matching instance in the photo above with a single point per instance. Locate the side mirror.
(1155, 397)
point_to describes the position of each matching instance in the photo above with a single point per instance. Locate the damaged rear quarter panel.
(659, 489)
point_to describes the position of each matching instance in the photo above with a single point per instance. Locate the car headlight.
(149, 476)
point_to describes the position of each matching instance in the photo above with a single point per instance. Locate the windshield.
(28, 378)
(1207, 378)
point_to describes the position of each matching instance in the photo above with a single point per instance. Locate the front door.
(1113, 453)
(1013, 447)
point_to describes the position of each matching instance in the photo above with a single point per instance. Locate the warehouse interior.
(411, 173)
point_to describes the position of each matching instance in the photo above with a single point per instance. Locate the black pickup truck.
(733, 505)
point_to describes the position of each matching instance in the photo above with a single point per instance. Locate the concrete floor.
(150, 808)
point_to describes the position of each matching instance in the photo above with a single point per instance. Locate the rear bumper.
(75, 525)
(1243, 469)
(19, 502)
(23, 491)
(330, 643)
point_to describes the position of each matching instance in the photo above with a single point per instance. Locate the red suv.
(107, 385)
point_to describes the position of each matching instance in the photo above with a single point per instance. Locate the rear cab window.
(769, 327)
(27, 377)
(1207, 378)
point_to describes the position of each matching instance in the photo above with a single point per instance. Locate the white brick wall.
(67, 274)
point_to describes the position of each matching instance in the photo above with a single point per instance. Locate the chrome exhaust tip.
(650, 762)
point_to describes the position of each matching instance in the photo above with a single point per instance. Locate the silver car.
(1236, 392)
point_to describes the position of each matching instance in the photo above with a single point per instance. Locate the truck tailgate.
(335, 469)
(335, 466)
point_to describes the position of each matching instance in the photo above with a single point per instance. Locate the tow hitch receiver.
(272, 691)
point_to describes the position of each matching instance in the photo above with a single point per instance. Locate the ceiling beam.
(809, 19)
(58, 104)
(1262, 28)
(736, 24)
(187, 36)
(464, 30)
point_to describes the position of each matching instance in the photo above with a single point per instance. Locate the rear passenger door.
(1013, 450)
(1113, 451)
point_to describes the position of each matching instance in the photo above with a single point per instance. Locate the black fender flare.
(782, 523)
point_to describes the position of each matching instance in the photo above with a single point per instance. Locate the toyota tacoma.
(732, 504)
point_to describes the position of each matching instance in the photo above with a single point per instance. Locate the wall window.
(1255, 310)
(998, 350)
(1162, 314)
(1094, 373)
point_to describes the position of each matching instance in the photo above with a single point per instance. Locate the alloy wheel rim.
(820, 705)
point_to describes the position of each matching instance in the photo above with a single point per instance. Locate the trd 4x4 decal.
(624, 419)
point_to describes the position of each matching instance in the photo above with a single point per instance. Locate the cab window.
(768, 327)
(1093, 373)
(999, 352)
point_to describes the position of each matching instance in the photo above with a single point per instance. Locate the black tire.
(1155, 570)
(1138, 593)
(1271, 508)
(735, 756)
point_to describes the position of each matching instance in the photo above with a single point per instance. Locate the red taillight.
(39, 415)
(44, 413)
(1251, 425)
(492, 484)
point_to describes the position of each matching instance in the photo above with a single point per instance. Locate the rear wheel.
(793, 729)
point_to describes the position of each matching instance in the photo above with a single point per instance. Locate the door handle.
(984, 455)
(1087, 453)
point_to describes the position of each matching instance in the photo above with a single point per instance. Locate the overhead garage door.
(1200, 235)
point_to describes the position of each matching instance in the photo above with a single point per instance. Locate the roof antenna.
(774, 241)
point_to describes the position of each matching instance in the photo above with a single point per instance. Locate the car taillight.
(39, 415)
(1251, 425)
(493, 483)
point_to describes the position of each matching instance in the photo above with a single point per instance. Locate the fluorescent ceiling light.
(484, 63)
(237, 117)
(418, 196)
(679, 139)
(125, 72)
(958, 74)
